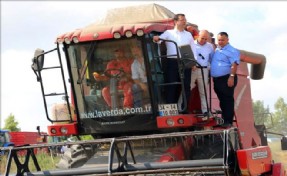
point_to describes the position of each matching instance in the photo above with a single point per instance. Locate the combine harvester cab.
(138, 132)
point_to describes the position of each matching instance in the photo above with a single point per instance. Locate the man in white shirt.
(140, 88)
(204, 52)
(181, 37)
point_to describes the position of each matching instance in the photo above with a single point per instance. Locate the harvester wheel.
(76, 156)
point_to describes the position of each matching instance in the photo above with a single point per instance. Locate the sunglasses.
(201, 56)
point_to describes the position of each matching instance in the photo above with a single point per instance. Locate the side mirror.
(187, 56)
(38, 60)
(38, 130)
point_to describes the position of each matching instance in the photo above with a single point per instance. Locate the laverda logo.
(258, 155)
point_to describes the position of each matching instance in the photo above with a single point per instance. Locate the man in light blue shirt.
(223, 70)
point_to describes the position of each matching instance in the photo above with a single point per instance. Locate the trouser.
(140, 97)
(225, 95)
(172, 75)
(128, 96)
(196, 75)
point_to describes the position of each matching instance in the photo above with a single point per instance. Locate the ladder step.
(46, 68)
(54, 94)
(166, 84)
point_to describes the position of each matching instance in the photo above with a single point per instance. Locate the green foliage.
(55, 139)
(11, 123)
(261, 113)
(276, 121)
(280, 116)
(86, 137)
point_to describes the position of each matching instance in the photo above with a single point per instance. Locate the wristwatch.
(232, 75)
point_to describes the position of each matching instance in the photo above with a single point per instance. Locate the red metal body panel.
(70, 127)
(173, 154)
(278, 170)
(254, 161)
(177, 152)
(22, 138)
(244, 109)
(188, 119)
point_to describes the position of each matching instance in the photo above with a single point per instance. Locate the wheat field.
(277, 154)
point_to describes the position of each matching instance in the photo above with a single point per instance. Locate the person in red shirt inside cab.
(119, 68)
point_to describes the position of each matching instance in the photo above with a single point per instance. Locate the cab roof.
(136, 19)
(149, 13)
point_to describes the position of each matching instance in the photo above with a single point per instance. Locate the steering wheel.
(114, 72)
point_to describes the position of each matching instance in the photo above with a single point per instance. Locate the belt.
(221, 77)
(201, 67)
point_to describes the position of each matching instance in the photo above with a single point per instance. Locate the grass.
(277, 154)
(45, 160)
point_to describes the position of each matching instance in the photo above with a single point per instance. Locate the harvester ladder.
(64, 94)
(158, 85)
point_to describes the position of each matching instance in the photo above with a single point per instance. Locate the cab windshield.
(109, 78)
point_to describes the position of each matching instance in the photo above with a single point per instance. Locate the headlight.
(53, 131)
(64, 130)
(129, 34)
(170, 122)
(140, 32)
(180, 121)
(60, 41)
(117, 35)
(67, 40)
(75, 40)
(96, 35)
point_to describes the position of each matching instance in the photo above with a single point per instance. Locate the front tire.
(76, 156)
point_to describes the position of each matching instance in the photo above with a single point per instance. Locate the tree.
(280, 116)
(261, 113)
(11, 124)
(276, 121)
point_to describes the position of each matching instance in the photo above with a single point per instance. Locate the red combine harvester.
(25, 137)
(149, 136)
(22, 138)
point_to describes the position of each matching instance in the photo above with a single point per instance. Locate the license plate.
(167, 109)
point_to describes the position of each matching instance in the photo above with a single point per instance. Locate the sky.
(254, 26)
